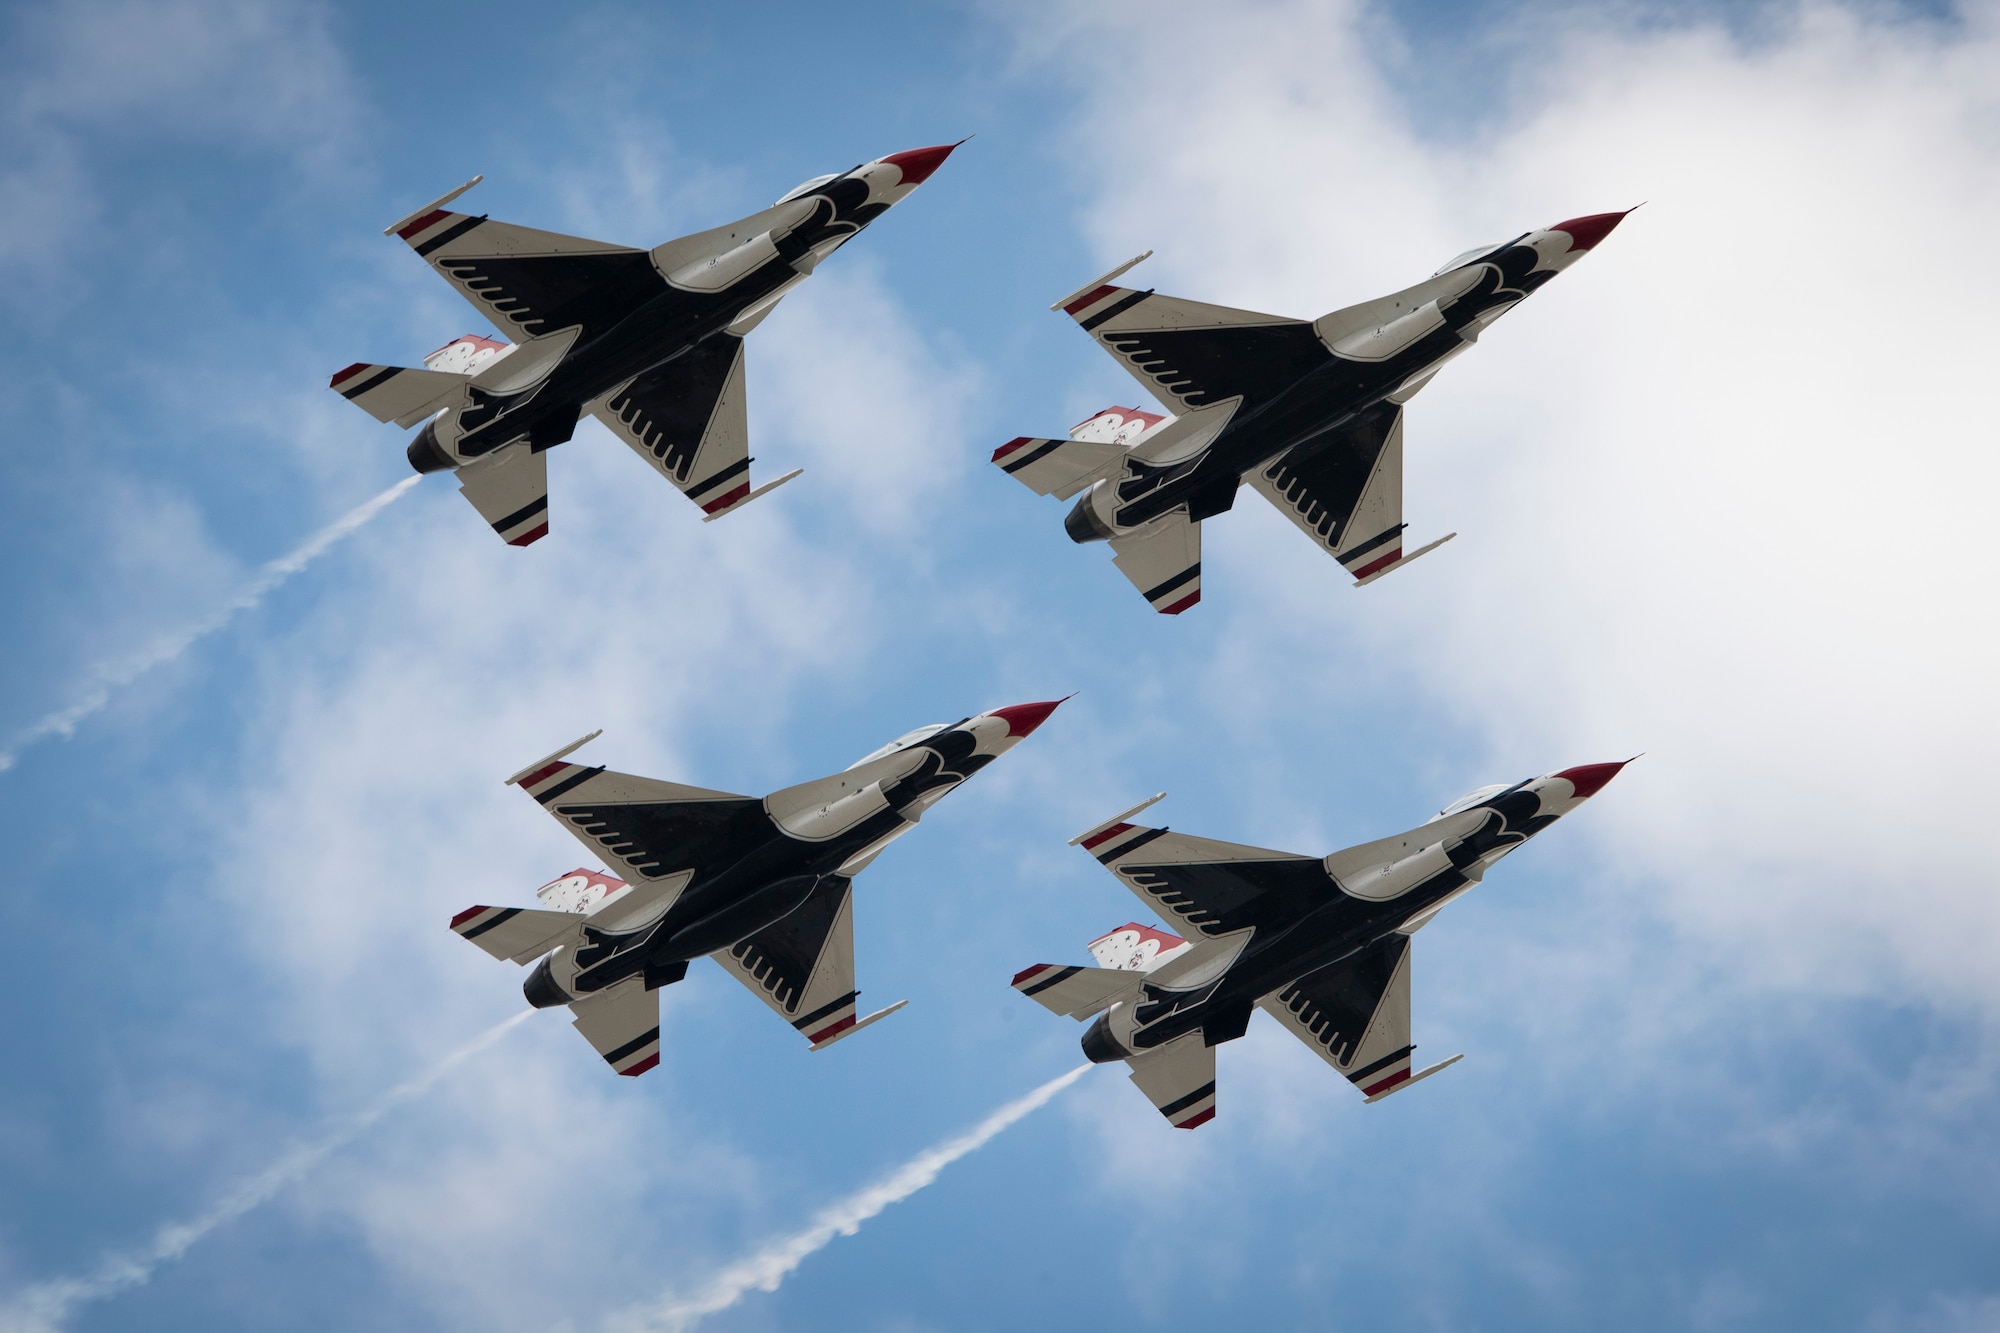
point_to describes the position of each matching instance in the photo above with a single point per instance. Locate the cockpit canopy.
(1457, 261)
(1472, 798)
(806, 187)
(903, 741)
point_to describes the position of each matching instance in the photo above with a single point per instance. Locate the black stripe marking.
(632, 1047)
(1062, 975)
(1179, 1104)
(1123, 848)
(498, 919)
(573, 780)
(371, 382)
(448, 235)
(1187, 575)
(1382, 539)
(521, 515)
(1115, 311)
(1381, 1064)
(1048, 447)
(825, 1009)
(733, 470)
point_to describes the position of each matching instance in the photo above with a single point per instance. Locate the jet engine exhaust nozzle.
(1099, 1046)
(541, 989)
(426, 454)
(1083, 523)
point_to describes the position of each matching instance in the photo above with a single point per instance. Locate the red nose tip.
(1586, 232)
(1024, 718)
(917, 164)
(1589, 779)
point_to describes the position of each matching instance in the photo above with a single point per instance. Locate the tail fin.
(1136, 948)
(1127, 953)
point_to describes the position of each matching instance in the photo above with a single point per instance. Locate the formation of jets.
(1308, 413)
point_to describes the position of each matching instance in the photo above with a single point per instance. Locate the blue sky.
(1730, 1033)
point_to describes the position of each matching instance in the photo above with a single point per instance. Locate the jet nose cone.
(1024, 718)
(1589, 779)
(1585, 232)
(917, 164)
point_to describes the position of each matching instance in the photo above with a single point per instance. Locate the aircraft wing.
(1191, 354)
(1209, 886)
(530, 282)
(653, 829)
(803, 965)
(687, 419)
(1163, 561)
(1179, 1079)
(622, 1024)
(1346, 493)
(510, 489)
(1356, 1016)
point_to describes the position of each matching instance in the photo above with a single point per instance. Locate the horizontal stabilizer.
(1179, 1079)
(517, 934)
(1163, 562)
(623, 1025)
(1075, 992)
(1057, 467)
(510, 489)
(396, 393)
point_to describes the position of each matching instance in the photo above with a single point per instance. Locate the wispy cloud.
(111, 677)
(770, 1266)
(45, 1306)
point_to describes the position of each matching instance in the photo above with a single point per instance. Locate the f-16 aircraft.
(1309, 413)
(1320, 944)
(760, 885)
(650, 342)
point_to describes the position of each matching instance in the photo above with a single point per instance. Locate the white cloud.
(258, 74)
(1722, 486)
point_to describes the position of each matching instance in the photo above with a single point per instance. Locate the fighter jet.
(650, 342)
(760, 885)
(1320, 944)
(1310, 414)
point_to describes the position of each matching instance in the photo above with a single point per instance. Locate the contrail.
(45, 1306)
(111, 677)
(768, 1267)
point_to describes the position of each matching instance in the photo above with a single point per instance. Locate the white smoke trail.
(111, 677)
(768, 1267)
(45, 1306)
